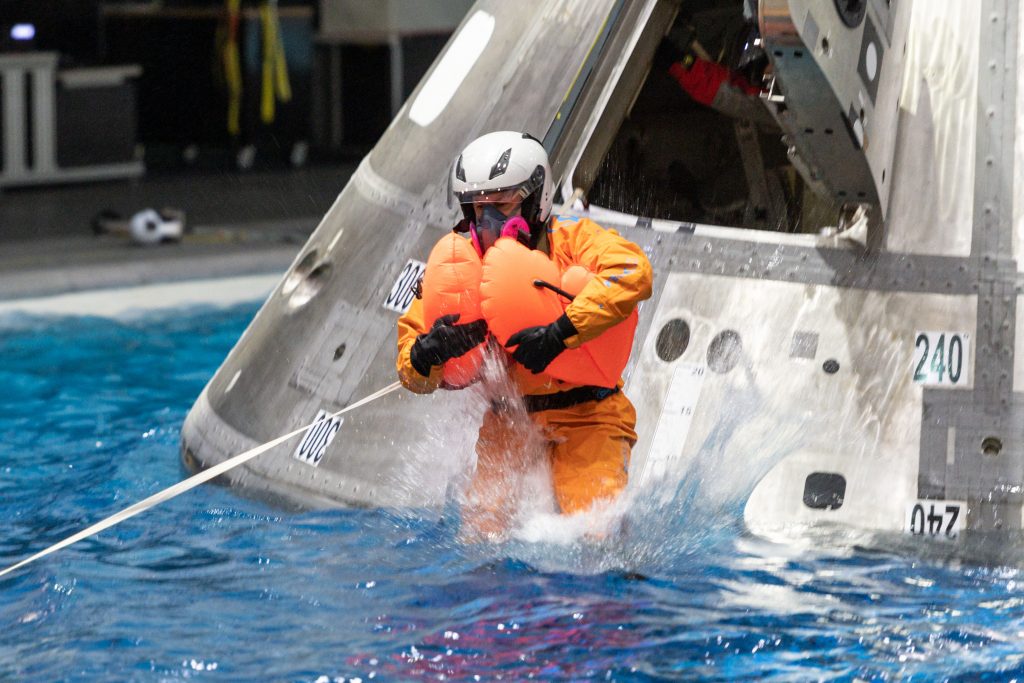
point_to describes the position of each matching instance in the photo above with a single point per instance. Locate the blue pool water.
(213, 586)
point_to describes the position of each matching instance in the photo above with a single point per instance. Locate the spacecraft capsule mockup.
(834, 323)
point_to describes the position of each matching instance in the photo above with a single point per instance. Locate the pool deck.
(241, 224)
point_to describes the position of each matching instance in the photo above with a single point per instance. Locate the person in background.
(731, 90)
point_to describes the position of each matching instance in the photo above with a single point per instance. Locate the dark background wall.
(65, 26)
(181, 98)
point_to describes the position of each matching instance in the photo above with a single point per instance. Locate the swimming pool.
(213, 586)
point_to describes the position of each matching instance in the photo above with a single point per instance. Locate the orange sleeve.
(410, 326)
(623, 275)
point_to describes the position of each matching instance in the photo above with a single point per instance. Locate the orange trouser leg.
(590, 452)
(590, 465)
(502, 448)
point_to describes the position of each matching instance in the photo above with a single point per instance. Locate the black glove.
(538, 346)
(445, 341)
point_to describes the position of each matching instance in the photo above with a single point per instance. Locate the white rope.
(190, 483)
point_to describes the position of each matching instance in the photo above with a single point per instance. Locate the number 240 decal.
(942, 518)
(941, 358)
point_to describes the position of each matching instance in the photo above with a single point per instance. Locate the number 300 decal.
(404, 289)
(941, 358)
(317, 438)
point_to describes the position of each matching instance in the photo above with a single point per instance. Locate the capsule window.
(824, 491)
(672, 340)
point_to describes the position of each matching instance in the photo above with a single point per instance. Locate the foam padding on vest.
(451, 284)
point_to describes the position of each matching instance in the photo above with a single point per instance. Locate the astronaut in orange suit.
(503, 183)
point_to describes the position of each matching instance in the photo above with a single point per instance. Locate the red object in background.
(702, 79)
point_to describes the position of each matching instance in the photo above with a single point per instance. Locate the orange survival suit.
(590, 430)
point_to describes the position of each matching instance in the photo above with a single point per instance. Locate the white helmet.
(504, 164)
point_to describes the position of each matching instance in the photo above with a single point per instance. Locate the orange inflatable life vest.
(500, 290)
(510, 301)
(451, 284)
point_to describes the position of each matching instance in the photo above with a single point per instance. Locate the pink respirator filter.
(516, 227)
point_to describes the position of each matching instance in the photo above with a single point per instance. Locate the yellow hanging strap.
(284, 86)
(275, 68)
(233, 67)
